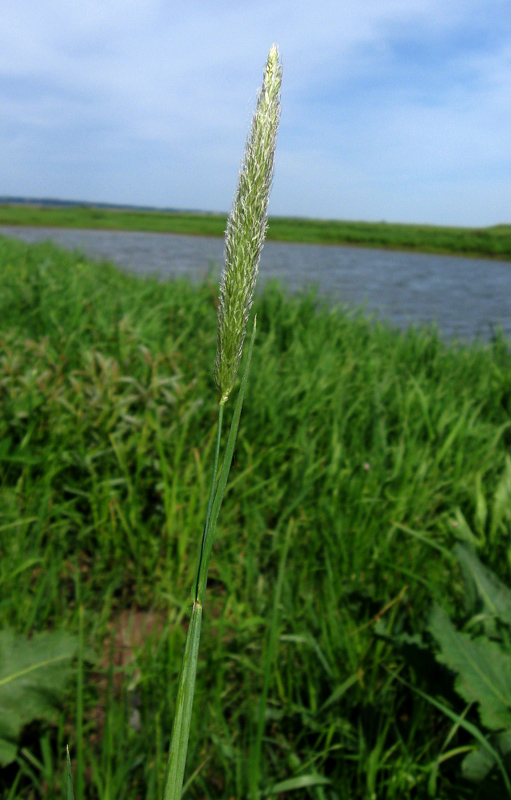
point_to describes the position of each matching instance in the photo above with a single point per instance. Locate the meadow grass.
(489, 242)
(360, 450)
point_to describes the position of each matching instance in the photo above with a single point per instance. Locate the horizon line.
(15, 200)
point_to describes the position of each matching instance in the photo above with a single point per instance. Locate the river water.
(467, 298)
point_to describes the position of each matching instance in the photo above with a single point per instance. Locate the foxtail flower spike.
(246, 228)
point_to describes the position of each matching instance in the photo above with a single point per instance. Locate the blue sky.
(396, 110)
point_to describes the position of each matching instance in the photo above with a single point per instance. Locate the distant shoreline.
(493, 242)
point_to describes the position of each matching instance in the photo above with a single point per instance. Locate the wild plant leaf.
(494, 595)
(340, 691)
(465, 532)
(501, 500)
(460, 721)
(33, 676)
(477, 765)
(484, 671)
(301, 782)
(481, 510)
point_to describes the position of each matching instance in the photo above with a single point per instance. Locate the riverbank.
(365, 449)
(493, 242)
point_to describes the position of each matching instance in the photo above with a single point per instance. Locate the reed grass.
(359, 443)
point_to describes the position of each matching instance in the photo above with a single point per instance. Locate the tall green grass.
(244, 239)
(359, 445)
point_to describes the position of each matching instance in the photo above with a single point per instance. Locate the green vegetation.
(361, 450)
(480, 656)
(494, 242)
(113, 219)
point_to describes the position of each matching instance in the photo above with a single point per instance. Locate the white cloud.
(149, 102)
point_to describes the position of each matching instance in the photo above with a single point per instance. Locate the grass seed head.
(246, 227)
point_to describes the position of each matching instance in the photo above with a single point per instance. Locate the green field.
(494, 242)
(365, 449)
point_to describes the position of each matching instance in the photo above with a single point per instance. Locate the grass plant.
(244, 239)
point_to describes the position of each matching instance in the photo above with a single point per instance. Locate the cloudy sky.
(396, 110)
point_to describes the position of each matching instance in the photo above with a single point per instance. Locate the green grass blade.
(211, 498)
(69, 777)
(80, 764)
(269, 660)
(183, 714)
(301, 782)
